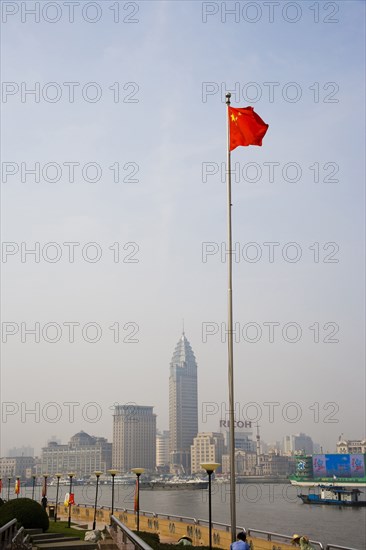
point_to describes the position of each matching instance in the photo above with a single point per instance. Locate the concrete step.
(33, 531)
(54, 539)
(72, 545)
(107, 545)
(41, 536)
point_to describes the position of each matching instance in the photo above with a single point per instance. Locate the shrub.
(28, 512)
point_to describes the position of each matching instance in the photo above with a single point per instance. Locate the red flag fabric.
(71, 499)
(1, 485)
(136, 501)
(246, 127)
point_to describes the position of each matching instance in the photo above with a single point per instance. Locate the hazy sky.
(127, 122)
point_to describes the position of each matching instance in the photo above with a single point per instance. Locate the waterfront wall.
(170, 528)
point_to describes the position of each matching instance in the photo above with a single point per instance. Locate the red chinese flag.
(246, 127)
(1, 485)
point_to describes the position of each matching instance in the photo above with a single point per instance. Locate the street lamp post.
(113, 474)
(97, 474)
(9, 480)
(210, 467)
(71, 475)
(44, 489)
(57, 488)
(34, 477)
(138, 472)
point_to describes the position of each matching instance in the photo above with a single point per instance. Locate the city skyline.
(240, 438)
(213, 415)
(135, 440)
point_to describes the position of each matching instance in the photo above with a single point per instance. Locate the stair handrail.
(7, 533)
(117, 527)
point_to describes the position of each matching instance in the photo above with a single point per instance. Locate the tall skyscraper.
(183, 405)
(134, 438)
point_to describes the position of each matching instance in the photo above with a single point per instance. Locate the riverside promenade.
(171, 528)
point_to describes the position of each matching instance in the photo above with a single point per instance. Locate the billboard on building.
(339, 465)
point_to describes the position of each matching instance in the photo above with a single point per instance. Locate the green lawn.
(61, 527)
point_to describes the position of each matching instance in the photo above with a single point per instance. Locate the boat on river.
(174, 484)
(334, 495)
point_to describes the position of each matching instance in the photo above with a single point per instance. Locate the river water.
(268, 507)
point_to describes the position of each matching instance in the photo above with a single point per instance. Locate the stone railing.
(121, 535)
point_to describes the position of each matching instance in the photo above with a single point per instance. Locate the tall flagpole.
(230, 335)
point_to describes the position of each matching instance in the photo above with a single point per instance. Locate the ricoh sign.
(237, 424)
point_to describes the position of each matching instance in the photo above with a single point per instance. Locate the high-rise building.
(162, 449)
(207, 447)
(243, 440)
(183, 405)
(83, 455)
(25, 450)
(134, 438)
(298, 443)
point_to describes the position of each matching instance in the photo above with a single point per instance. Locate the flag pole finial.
(228, 96)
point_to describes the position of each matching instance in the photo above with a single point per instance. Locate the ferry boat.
(123, 479)
(336, 496)
(62, 482)
(174, 484)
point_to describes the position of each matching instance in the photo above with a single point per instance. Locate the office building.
(207, 447)
(183, 405)
(83, 455)
(134, 438)
(162, 449)
(22, 466)
(298, 443)
(25, 450)
(351, 446)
